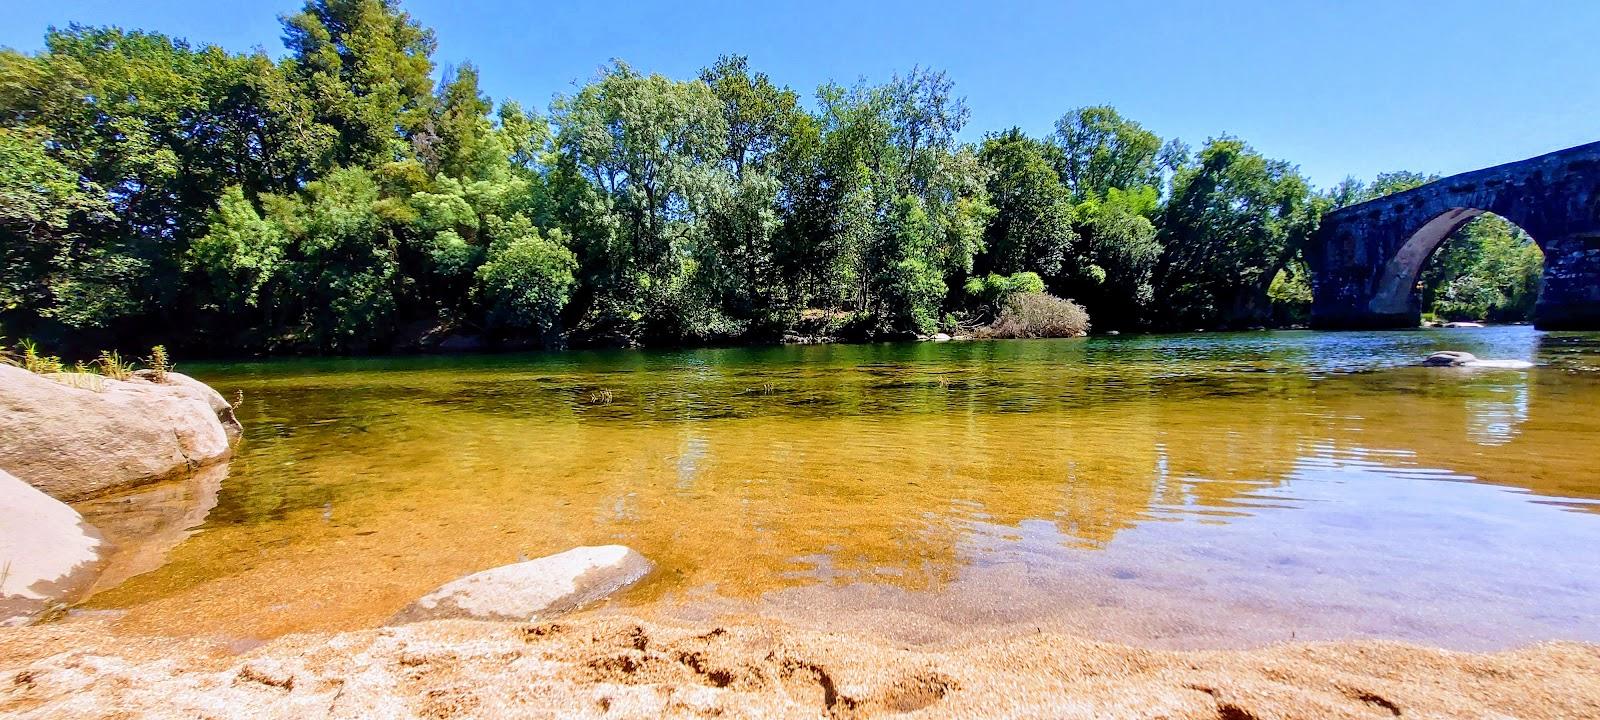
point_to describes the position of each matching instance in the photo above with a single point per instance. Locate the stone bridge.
(1365, 258)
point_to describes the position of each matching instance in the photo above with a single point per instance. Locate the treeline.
(339, 199)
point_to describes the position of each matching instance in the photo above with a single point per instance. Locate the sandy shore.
(596, 665)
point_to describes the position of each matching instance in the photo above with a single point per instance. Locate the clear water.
(1194, 490)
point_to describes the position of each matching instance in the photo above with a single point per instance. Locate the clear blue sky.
(1340, 88)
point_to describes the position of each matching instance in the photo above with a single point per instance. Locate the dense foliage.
(350, 196)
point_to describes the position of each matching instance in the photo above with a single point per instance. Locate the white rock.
(526, 590)
(941, 337)
(1463, 324)
(74, 443)
(1456, 358)
(47, 551)
(181, 384)
(1449, 358)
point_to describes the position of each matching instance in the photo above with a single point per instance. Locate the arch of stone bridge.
(1365, 258)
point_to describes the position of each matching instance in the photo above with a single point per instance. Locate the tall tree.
(1234, 219)
(636, 156)
(1032, 225)
(367, 66)
(1100, 150)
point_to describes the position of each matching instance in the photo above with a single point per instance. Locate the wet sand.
(603, 665)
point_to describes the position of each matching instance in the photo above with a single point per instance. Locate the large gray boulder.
(48, 553)
(78, 442)
(523, 591)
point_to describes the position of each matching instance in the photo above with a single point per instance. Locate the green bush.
(992, 291)
(526, 280)
(1290, 295)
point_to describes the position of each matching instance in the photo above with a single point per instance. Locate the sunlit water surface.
(1188, 491)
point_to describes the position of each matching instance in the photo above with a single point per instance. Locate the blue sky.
(1340, 88)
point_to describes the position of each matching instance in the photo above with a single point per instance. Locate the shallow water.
(1194, 490)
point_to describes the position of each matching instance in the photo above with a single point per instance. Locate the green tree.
(739, 264)
(636, 170)
(908, 204)
(1101, 150)
(367, 67)
(49, 265)
(1032, 226)
(1119, 254)
(1234, 219)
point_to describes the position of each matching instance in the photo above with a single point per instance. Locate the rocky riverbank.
(77, 437)
(440, 659)
(598, 665)
(78, 440)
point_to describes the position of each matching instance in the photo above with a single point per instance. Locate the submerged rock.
(522, 591)
(1449, 358)
(78, 442)
(47, 552)
(1463, 324)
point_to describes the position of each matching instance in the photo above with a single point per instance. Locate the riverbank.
(598, 665)
(1218, 525)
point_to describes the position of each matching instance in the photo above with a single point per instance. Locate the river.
(1202, 490)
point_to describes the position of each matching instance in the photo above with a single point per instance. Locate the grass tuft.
(34, 362)
(113, 366)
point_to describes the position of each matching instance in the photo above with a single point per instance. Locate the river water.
(1178, 491)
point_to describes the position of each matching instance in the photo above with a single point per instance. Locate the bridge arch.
(1366, 257)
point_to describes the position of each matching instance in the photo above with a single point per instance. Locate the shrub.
(159, 363)
(527, 278)
(1038, 315)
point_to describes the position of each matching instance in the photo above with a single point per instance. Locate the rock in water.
(75, 443)
(552, 584)
(47, 552)
(1453, 358)
(1449, 358)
